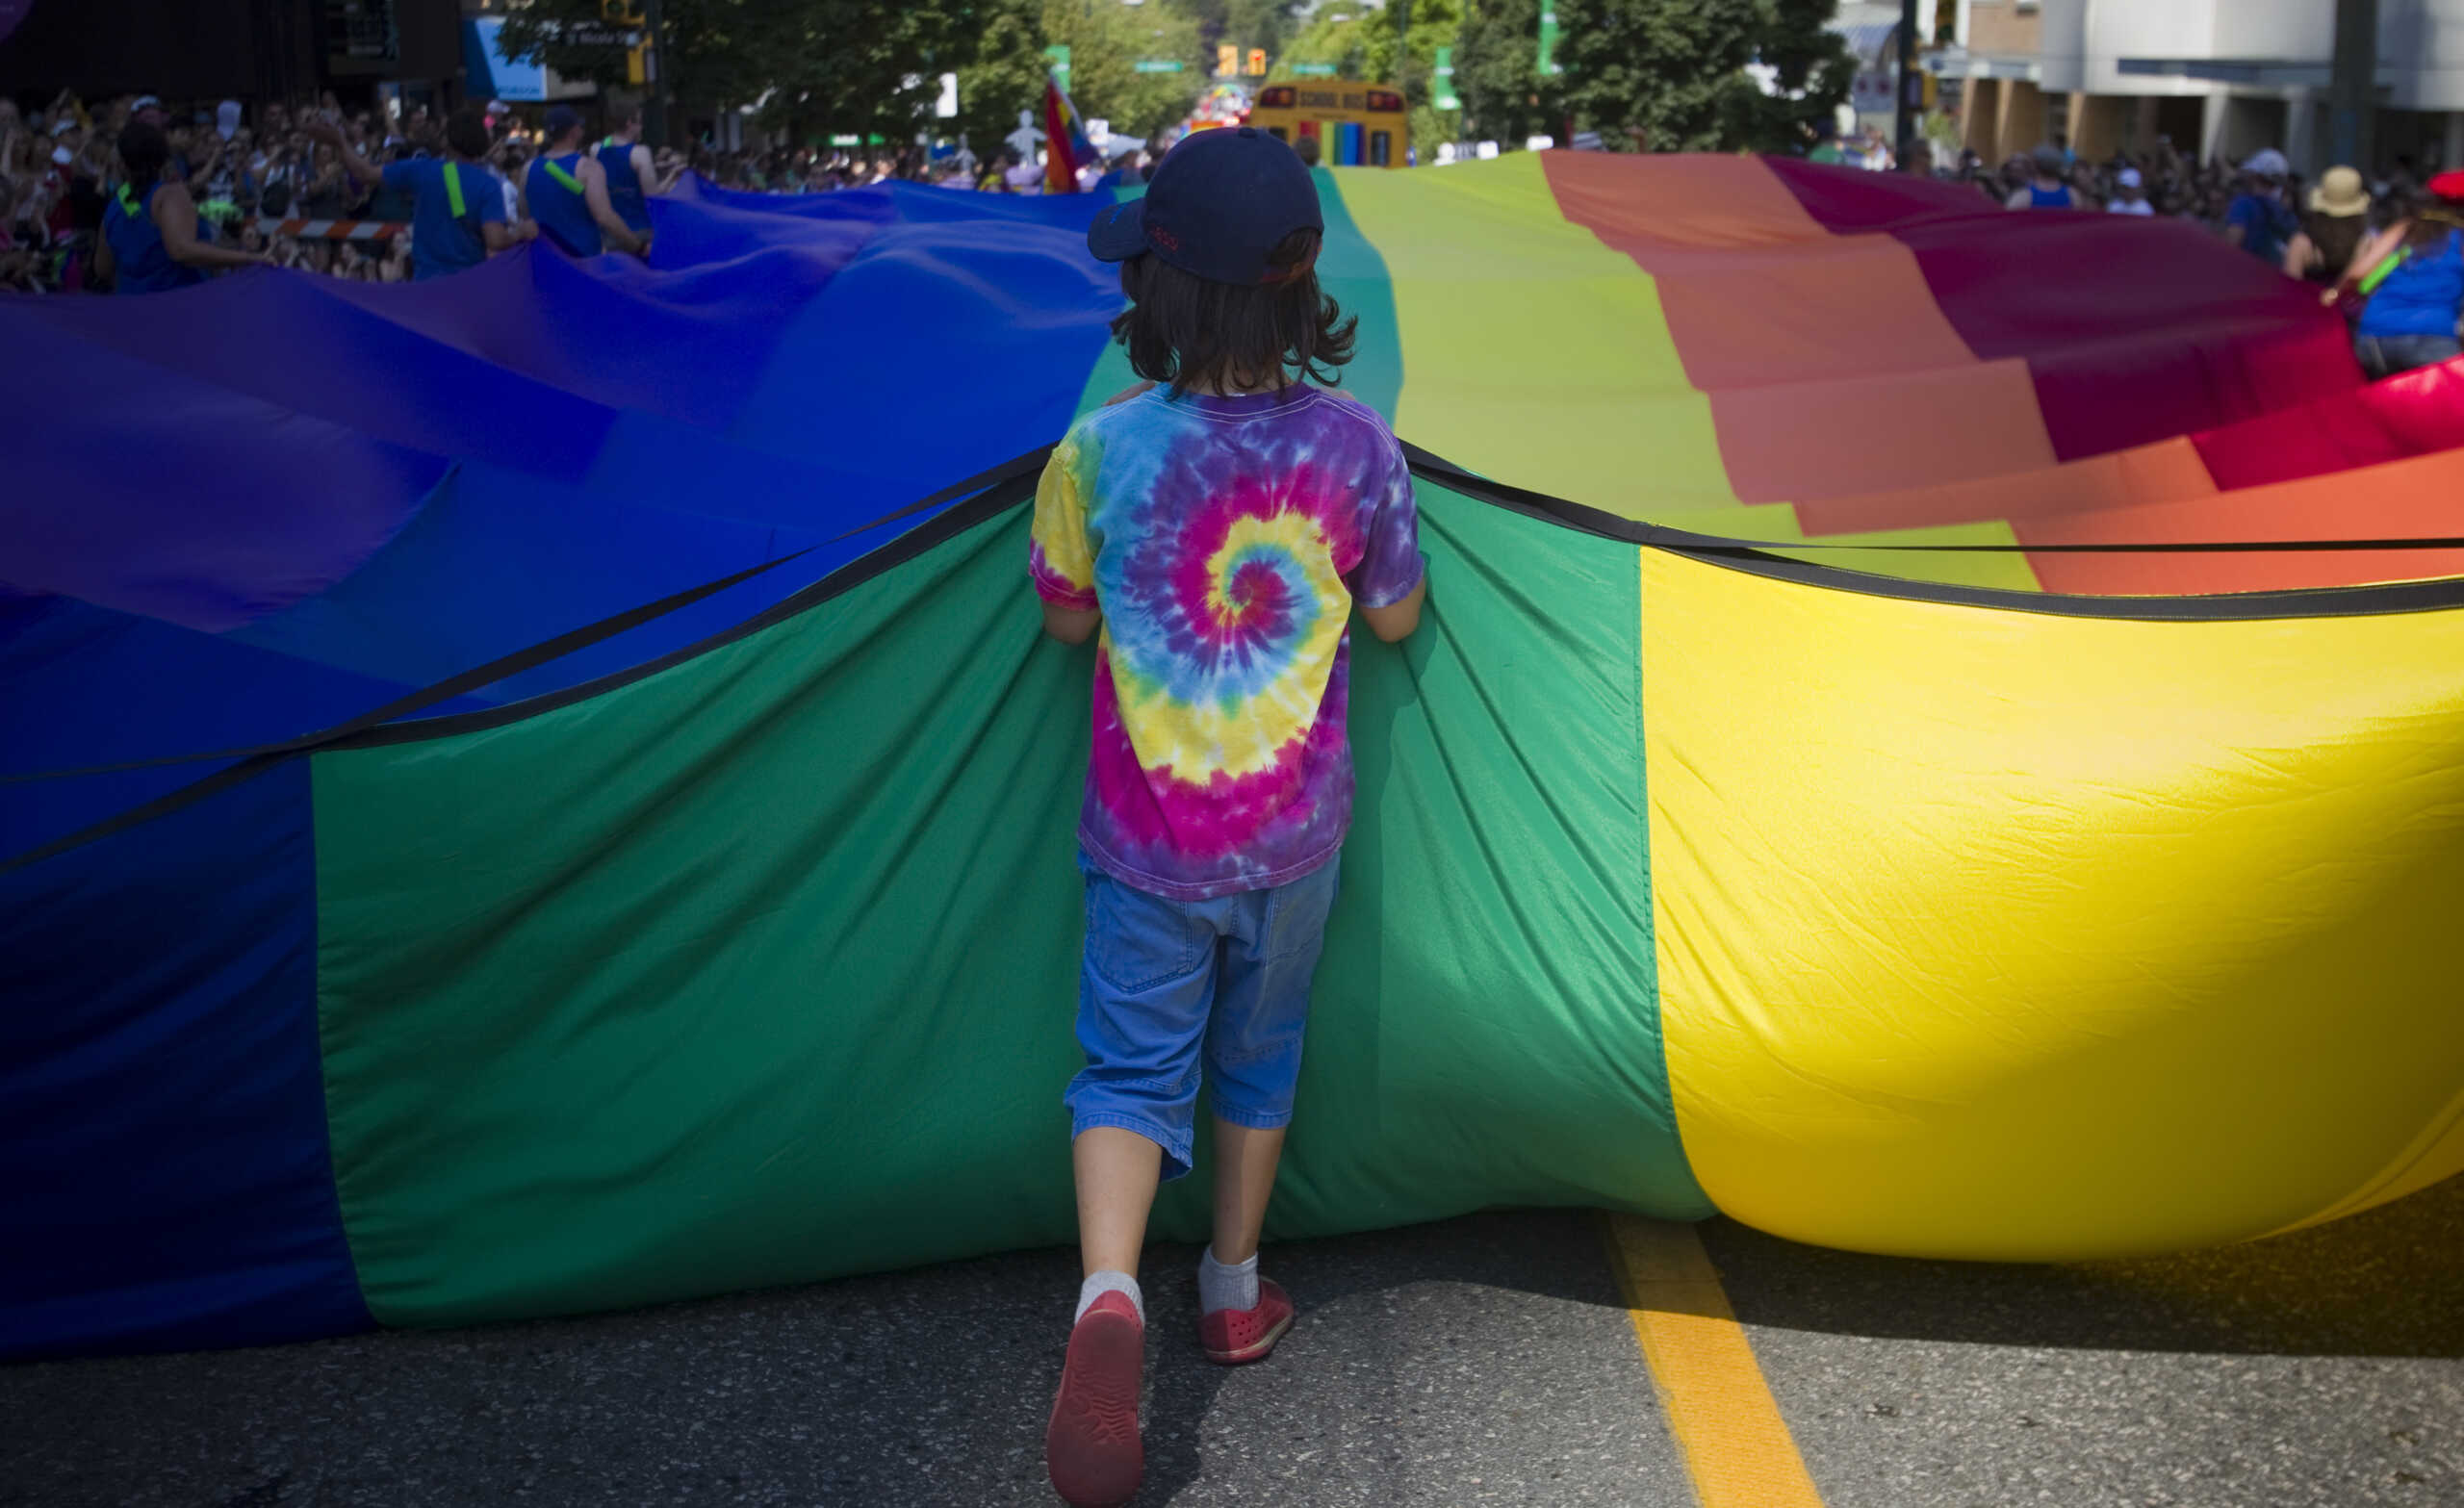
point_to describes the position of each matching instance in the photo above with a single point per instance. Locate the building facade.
(2220, 78)
(238, 49)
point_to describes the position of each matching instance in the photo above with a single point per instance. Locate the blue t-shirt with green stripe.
(442, 242)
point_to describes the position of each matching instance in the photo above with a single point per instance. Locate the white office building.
(2226, 77)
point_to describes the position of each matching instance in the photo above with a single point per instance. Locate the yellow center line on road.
(1736, 1446)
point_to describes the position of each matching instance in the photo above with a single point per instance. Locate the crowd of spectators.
(2168, 182)
(247, 172)
(815, 171)
(2388, 252)
(1017, 166)
(248, 168)
(245, 168)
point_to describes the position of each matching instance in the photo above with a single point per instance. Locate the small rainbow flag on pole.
(1066, 146)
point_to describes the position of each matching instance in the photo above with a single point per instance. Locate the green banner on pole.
(1441, 89)
(1058, 55)
(1548, 59)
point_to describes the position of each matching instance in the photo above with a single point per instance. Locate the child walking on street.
(1218, 524)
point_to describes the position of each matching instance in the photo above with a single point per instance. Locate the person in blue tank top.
(2045, 190)
(153, 239)
(632, 178)
(457, 204)
(566, 192)
(2414, 274)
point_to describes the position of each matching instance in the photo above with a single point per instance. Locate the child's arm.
(1076, 625)
(1392, 580)
(1392, 623)
(1058, 559)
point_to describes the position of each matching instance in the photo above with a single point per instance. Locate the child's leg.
(1254, 1049)
(1244, 1163)
(1118, 1170)
(1144, 990)
(1143, 994)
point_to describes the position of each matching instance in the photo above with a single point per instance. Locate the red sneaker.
(1090, 1446)
(1233, 1335)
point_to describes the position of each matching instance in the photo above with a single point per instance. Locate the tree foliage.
(1657, 75)
(1811, 76)
(715, 48)
(1669, 75)
(815, 67)
(1007, 75)
(1336, 35)
(1243, 23)
(1360, 42)
(1107, 40)
(1505, 97)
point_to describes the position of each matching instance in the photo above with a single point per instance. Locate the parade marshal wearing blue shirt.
(457, 210)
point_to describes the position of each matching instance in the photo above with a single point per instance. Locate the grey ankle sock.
(1100, 1284)
(1220, 1287)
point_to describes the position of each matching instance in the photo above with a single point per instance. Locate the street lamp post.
(2352, 104)
(1904, 108)
(655, 75)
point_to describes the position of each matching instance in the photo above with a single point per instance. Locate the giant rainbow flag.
(541, 790)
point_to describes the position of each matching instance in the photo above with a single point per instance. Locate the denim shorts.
(2385, 355)
(1163, 980)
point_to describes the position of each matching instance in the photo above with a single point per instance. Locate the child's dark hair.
(1188, 332)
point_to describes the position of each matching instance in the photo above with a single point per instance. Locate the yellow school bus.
(1355, 124)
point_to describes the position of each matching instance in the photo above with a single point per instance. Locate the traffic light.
(1258, 61)
(1227, 60)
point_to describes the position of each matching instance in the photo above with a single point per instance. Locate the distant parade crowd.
(138, 196)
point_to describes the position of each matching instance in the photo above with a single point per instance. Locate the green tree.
(1811, 75)
(1244, 23)
(1006, 76)
(811, 65)
(1336, 35)
(1108, 39)
(1659, 75)
(1505, 97)
(1361, 42)
(716, 50)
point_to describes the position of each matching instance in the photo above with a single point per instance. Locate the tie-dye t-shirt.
(1226, 540)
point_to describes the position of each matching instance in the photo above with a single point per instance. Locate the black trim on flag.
(1757, 557)
(1004, 486)
(1000, 488)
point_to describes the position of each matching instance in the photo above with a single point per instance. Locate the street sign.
(587, 34)
(1158, 66)
(1313, 70)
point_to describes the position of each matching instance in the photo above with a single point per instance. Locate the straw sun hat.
(2340, 194)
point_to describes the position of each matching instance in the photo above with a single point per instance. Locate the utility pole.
(2352, 91)
(655, 75)
(1911, 91)
(1402, 46)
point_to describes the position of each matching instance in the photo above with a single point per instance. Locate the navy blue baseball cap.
(1218, 205)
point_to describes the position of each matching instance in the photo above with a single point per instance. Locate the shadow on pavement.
(2388, 1281)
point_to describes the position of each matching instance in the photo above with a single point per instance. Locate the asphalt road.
(1481, 1359)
